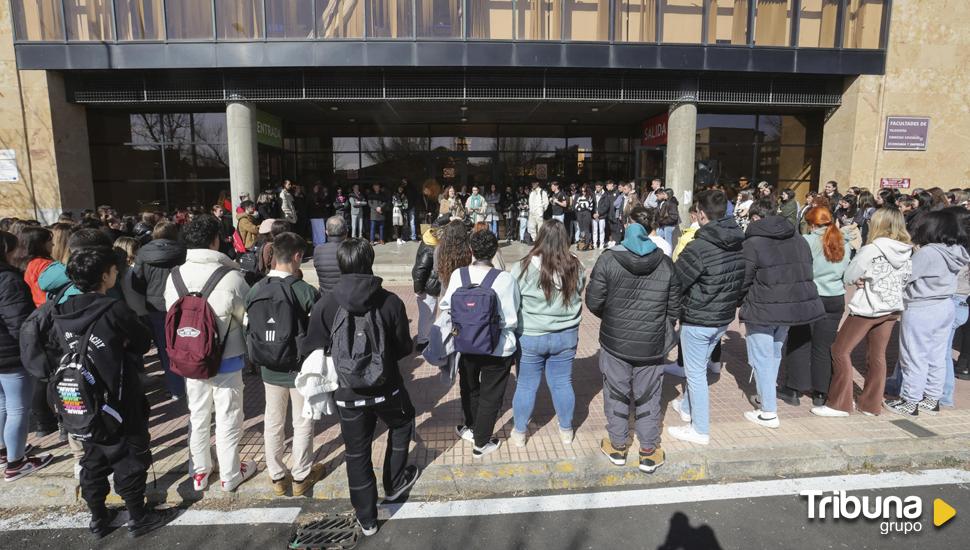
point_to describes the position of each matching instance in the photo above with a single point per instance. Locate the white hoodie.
(884, 267)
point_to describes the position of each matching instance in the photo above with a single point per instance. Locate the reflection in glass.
(37, 19)
(862, 23)
(188, 19)
(636, 21)
(772, 25)
(683, 21)
(239, 19)
(727, 22)
(538, 19)
(587, 20)
(389, 18)
(816, 23)
(88, 20)
(340, 18)
(438, 18)
(289, 18)
(139, 19)
(490, 19)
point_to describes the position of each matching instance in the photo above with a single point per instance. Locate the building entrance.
(464, 169)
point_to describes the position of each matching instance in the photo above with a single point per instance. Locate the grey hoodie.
(935, 269)
(883, 267)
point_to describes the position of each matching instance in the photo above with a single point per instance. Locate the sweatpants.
(128, 459)
(628, 387)
(357, 428)
(482, 380)
(808, 356)
(923, 338)
(877, 330)
(535, 222)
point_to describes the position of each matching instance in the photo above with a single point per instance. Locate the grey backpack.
(357, 349)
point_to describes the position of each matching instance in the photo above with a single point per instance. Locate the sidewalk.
(804, 444)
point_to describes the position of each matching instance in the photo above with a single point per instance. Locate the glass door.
(651, 163)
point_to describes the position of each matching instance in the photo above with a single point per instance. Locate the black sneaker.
(411, 474)
(151, 521)
(929, 406)
(26, 466)
(962, 371)
(102, 528)
(819, 399)
(788, 395)
(900, 406)
(28, 450)
(490, 447)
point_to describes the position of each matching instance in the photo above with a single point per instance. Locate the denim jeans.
(376, 226)
(696, 344)
(523, 227)
(413, 224)
(765, 343)
(16, 388)
(356, 226)
(318, 230)
(553, 353)
(666, 232)
(561, 218)
(174, 383)
(494, 224)
(576, 231)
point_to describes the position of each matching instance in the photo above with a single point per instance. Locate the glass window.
(289, 18)
(37, 19)
(345, 144)
(340, 18)
(126, 162)
(772, 23)
(727, 161)
(727, 22)
(717, 122)
(239, 19)
(490, 19)
(188, 19)
(863, 23)
(146, 128)
(683, 21)
(531, 144)
(88, 20)
(587, 20)
(139, 19)
(438, 18)
(389, 18)
(816, 23)
(791, 130)
(778, 163)
(538, 19)
(636, 21)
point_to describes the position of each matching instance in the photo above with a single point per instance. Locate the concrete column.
(681, 138)
(243, 154)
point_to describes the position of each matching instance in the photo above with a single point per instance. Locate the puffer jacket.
(779, 288)
(15, 306)
(325, 263)
(637, 296)
(423, 273)
(711, 271)
(153, 263)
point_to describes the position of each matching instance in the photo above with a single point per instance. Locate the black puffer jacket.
(423, 273)
(638, 300)
(325, 263)
(15, 306)
(153, 263)
(711, 271)
(778, 284)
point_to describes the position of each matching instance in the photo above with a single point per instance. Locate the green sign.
(269, 130)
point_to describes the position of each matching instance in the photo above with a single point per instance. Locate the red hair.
(833, 245)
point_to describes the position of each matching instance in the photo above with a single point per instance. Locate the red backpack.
(192, 332)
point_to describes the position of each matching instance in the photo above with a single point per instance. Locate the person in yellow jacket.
(687, 235)
(247, 226)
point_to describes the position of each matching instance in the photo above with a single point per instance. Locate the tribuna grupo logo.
(901, 515)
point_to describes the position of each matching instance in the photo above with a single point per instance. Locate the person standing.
(879, 272)
(831, 192)
(493, 212)
(636, 295)
(288, 202)
(358, 211)
(601, 211)
(617, 215)
(522, 209)
(325, 255)
(476, 206)
(550, 280)
(37, 243)
(808, 356)
(710, 272)
(668, 215)
(399, 213)
(246, 224)
(650, 201)
(559, 201)
(779, 292)
(427, 286)
(377, 204)
(509, 211)
(318, 210)
(538, 202)
(583, 207)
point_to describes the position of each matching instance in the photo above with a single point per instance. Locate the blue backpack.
(476, 324)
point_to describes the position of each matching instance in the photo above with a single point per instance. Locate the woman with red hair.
(808, 363)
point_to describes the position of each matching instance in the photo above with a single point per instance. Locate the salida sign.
(654, 131)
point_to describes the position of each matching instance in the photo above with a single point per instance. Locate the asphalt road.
(774, 522)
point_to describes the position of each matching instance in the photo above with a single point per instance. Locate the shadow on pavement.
(681, 536)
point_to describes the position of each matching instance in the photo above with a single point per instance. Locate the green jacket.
(538, 316)
(827, 275)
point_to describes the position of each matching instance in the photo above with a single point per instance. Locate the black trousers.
(585, 220)
(482, 380)
(42, 417)
(808, 357)
(357, 428)
(129, 459)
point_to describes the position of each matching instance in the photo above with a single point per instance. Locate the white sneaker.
(369, 530)
(674, 369)
(247, 469)
(517, 438)
(400, 241)
(488, 448)
(566, 436)
(77, 470)
(825, 410)
(715, 367)
(464, 432)
(759, 418)
(200, 482)
(678, 405)
(689, 434)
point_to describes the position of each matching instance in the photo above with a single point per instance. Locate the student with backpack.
(364, 329)
(97, 392)
(483, 305)
(206, 344)
(278, 308)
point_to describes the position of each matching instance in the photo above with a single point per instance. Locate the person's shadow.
(681, 536)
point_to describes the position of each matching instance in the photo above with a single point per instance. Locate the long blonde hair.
(889, 223)
(61, 234)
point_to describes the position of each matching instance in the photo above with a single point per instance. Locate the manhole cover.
(331, 533)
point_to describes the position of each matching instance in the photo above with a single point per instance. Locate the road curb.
(446, 482)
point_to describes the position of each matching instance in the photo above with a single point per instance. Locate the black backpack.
(357, 349)
(276, 320)
(87, 408)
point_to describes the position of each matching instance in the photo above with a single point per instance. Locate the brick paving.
(439, 410)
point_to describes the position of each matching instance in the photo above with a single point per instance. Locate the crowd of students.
(82, 303)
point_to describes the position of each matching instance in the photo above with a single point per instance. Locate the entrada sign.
(654, 131)
(269, 130)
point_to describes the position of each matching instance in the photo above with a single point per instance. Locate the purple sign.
(906, 133)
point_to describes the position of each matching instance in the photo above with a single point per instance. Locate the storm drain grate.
(330, 533)
(913, 428)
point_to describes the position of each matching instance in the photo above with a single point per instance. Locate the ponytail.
(833, 244)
